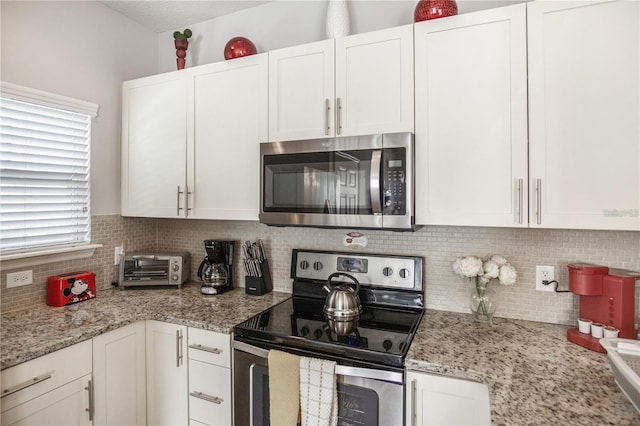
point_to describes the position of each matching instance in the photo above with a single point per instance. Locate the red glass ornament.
(238, 47)
(432, 9)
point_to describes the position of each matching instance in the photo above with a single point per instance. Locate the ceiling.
(161, 15)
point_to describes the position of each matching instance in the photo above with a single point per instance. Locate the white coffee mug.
(597, 330)
(611, 331)
(584, 325)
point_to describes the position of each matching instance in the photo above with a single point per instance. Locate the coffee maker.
(607, 296)
(216, 269)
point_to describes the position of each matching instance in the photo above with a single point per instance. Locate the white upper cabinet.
(302, 92)
(584, 114)
(356, 85)
(471, 119)
(154, 145)
(230, 121)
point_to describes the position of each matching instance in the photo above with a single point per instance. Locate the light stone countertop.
(535, 376)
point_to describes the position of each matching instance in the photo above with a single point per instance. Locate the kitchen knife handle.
(539, 201)
(178, 348)
(338, 113)
(206, 397)
(206, 349)
(89, 388)
(24, 385)
(327, 109)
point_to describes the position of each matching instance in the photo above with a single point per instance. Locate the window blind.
(44, 176)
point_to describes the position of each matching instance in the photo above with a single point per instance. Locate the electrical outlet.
(16, 279)
(545, 274)
(118, 253)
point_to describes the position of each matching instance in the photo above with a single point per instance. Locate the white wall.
(84, 50)
(292, 22)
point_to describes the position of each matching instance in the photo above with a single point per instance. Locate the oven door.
(354, 182)
(365, 396)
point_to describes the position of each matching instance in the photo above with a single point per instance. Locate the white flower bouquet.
(483, 272)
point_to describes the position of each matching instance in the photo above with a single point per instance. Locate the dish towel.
(318, 392)
(284, 385)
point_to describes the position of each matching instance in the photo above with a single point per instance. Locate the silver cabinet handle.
(24, 385)
(178, 348)
(413, 403)
(187, 199)
(178, 201)
(327, 109)
(374, 182)
(338, 113)
(519, 213)
(206, 349)
(206, 397)
(539, 201)
(89, 388)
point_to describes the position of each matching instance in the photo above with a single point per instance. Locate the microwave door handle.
(374, 182)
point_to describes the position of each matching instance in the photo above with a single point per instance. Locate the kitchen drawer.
(209, 382)
(45, 373)
(209, 346)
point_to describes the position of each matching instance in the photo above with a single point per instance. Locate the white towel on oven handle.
(318, 392)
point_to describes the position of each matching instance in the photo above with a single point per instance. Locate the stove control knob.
(404, 273)
(304, 331)
(387, 344)
(304, 264)
(174, 277)
(175, 267)
(387, 272)
(317, 266)
(317, 333)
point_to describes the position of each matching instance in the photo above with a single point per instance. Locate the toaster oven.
(154, 269)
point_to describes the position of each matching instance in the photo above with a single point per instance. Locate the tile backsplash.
(439, 245)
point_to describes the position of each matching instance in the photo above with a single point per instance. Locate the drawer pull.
(24, 385)
(206, 397)
(206, 349)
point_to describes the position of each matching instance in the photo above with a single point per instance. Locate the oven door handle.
(341, 370)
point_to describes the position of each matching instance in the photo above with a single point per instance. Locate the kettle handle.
(205, 260)
(327, 286)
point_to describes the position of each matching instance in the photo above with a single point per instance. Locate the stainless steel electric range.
(370, 360)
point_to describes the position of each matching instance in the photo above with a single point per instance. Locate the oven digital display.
(352, 264)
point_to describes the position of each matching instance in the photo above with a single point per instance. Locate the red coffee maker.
(607, 296)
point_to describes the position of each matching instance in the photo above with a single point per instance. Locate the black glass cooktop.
(382, 336)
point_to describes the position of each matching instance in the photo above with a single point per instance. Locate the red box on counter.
(71, 288)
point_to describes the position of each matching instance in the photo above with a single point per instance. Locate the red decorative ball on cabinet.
(238, 47)
(432, 9)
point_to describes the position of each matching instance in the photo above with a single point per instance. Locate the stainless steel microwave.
(343, 182)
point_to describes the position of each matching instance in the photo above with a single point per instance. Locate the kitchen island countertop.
(535, 375)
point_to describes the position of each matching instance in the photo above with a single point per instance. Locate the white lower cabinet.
(442, 400)
(210, 378)
(120, 377)
(54, 389)
(167, 379)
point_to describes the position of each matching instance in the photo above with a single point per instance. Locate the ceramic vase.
(338, 19)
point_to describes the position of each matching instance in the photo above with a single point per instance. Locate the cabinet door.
(374, 82)
(584, 114)
(301, 92)
(66, 405)
(230, 122)
(441, 400)
(154, 145)
(120, 377)
(471, 119)
(167, 379)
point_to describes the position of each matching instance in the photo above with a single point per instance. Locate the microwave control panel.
(393, 187)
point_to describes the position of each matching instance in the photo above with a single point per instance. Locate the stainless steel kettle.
(342, 306)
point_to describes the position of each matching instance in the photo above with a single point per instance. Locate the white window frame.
(13, 259)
